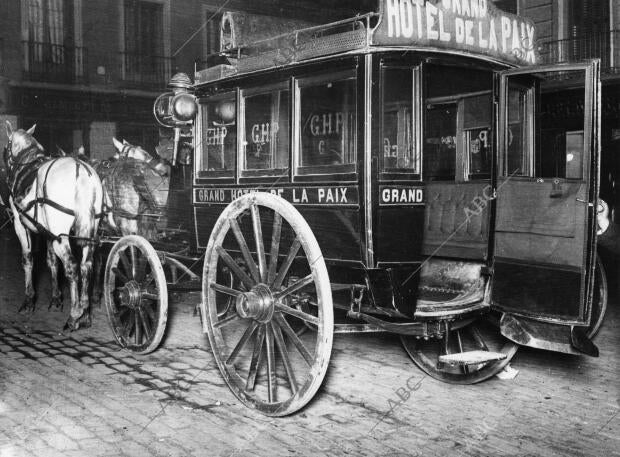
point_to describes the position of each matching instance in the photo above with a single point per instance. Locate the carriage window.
(440, 142)
(552, 145)
(400, 153)
(219, 141)
(478, 112)
(458, 112)
(328, 127)
(518, 155)
(266, 132)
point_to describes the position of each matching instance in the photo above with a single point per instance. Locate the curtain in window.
(144, 41)
(46, 30)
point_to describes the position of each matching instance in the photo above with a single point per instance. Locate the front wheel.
(135, 294)
(267, 364)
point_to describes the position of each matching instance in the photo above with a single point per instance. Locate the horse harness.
(21, 175)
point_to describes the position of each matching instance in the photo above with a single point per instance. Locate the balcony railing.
(605, 46)
(54, 63)
(141, 70)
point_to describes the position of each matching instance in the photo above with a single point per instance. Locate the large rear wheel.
(267, 364)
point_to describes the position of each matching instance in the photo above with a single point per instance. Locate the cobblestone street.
(79, 395)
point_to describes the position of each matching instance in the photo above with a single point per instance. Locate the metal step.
(471, 358)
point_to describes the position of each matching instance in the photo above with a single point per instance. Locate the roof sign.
(473, 26)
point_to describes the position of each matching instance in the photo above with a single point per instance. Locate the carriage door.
(546, 191)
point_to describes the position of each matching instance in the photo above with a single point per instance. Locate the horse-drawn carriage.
(411, 171)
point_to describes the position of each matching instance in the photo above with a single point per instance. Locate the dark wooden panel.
(537, 290)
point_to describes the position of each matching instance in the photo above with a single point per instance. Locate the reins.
(27, 163)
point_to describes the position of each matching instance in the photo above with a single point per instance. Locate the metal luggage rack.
(289, 48)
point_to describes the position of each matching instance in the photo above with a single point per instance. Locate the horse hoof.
(70, 326)
(84, 322)
(27, 306)
(55, 303)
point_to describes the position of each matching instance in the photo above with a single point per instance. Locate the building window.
(144, 59)
(213, 21)
(49, 50)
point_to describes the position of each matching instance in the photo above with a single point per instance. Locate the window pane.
(546, 125)
(266, 141)
(219, 142)
(478, 112)
(328, 124)
(440, 142)
(517, 160)
(399, 147)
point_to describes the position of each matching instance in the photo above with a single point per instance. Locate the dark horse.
(61, 198)
(137, 183)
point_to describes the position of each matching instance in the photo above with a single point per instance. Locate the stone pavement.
(79, 395)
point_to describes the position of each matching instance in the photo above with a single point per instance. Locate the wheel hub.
(130, 294)
(257, 304)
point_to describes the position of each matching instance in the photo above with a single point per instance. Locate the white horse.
(62, 198)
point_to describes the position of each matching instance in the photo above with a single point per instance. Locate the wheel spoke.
(285, 359)
(244, 339)
(260, 245)
(242, 275)
(128, 325)
(257, 358)
(245, 251)
(145, 325)
(275, 247)
(271, 374)
(148, 279)
(303, 282)
(134, 261)
(150, 296)
(277, 283)
(125, 262)
(141, 269)
(459, 341)
(298, 314)
(294, 339)
(150, 313)
(225, 290)
(138, 332)
(120, 274)
(475, 333)
(226, 320)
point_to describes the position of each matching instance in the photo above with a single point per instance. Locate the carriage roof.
(474, 28)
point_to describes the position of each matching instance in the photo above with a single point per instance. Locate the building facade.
(87, 70)
(573, 30)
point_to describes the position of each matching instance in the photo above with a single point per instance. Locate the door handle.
(556, 189)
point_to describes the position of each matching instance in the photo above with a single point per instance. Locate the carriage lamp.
(184, 107)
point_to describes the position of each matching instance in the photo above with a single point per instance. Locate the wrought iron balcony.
(54, 62)
(605, 46)
(143, 70)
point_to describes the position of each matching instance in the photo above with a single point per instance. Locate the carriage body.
(440, 175)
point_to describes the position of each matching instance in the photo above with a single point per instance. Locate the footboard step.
(471, 358)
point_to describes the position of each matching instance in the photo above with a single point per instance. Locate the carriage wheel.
(599, 302)
(135, 294)
(480, 334)
(265, 362)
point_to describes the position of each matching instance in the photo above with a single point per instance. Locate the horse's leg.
(86, 268)
(52, 263)
(98, 264)
(26, 243)
(63, 250)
